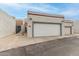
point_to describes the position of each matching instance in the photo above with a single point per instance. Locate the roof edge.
(45, 14)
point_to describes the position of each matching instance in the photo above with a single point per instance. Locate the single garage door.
(45, 29)
(68, 30)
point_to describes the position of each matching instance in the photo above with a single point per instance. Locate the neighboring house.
(42, 24)
(19, 23)
(7, 24)
(21, 26)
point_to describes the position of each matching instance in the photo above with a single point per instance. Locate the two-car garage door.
(46, 29)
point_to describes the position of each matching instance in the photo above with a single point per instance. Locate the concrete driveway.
(61, 47)
(15, 45)
(18, 40)
(65, 47)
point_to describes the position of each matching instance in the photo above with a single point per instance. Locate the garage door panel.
(41, 29)
(67, 30)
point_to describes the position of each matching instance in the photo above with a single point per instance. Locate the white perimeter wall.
(7, 24)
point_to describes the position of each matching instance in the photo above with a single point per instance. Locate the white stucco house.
(43, 24)
(7, 24)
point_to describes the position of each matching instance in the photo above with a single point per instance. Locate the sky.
(19, 10)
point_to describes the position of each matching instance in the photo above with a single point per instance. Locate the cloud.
(15, 6)
(19, 10)
(46, 8)
(72, 11)
(40, 7)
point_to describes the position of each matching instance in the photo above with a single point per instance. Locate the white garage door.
(67, 30)
(41, 29)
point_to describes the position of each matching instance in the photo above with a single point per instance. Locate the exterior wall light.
(30, 18)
